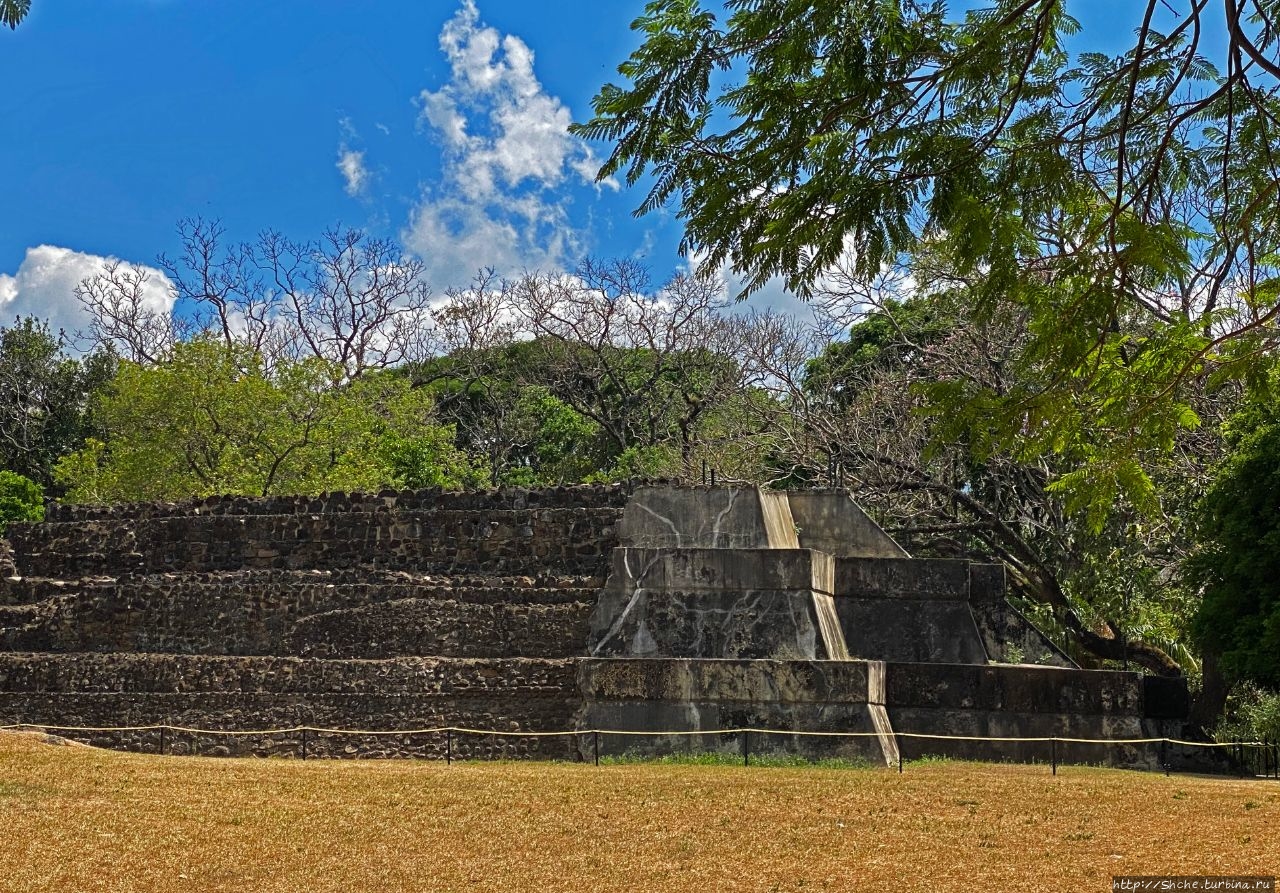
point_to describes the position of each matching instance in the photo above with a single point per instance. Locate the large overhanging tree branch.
(859, 412)
(1123, 202)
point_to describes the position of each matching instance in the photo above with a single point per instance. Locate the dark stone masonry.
(661, 610)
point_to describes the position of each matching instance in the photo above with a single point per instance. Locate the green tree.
(1121, 202)
(13, 11)
(46, 398)
(1239, 618)
(21, 500)
(618, 378)
(861, 412)
(210, 419)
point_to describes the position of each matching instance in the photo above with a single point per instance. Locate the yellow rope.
(435, 730)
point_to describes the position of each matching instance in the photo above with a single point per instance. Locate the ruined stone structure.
(663, 610)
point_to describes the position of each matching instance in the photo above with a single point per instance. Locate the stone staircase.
(395, 610)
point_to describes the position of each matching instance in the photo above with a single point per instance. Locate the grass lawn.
(78, 819)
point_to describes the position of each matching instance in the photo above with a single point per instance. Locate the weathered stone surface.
(762, 623)
(1007, 636)
(1019, 689)
(500, 542)
(254, 693)
(927, 630)
(699, 602)
(830, 521)
(406, 611)
(353, 613)
(718, 570)
(690, 696)
(914, 578)
(696, 518)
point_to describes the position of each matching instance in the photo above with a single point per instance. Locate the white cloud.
(354, 173)
(45, 282)
(772, 296)
(507, 154)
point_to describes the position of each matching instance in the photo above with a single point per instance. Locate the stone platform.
(663, 610)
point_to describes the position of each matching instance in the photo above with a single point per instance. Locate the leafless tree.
(349, 299)
(120, 316)
(353, 300)
(634, 359)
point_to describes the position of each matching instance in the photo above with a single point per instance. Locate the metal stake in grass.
(1053, 751)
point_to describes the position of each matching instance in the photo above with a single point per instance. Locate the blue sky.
(437, 124)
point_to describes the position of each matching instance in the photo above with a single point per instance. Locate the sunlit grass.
(78, 819)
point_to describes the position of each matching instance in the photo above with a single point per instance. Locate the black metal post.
(713, 477)
(1053, 754)
(1164, 754)
(162, 731)
(304, 742)
(898, 741)
(595, 744)
(448, 747)
(746, 748)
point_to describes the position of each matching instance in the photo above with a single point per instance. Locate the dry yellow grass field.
(79, 819)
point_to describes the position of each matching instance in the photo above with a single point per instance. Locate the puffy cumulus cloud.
(45, 283)
(507, 159)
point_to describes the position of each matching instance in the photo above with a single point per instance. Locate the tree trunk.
(1208, 706)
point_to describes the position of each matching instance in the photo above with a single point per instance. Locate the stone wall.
(7, 567)
(703, 696)
(239, 693)
(394, 611)
(351, 613)
(584, 496)
(497, 541)
(997, 701)
(405, 611)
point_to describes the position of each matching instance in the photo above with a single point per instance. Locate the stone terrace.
(395, 610)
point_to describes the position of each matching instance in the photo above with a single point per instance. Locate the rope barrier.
(671, 733)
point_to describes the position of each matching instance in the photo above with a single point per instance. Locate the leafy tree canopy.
(211, 420)
(46, 398)
(21, 499)
(13, 11)
(1120, 202)
(1239, 617)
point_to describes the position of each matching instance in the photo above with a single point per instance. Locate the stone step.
(358, 584)
(303, 614)
(141, 673)
(510, 499)
(496, 542)
(253, 693)
(408, 627)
